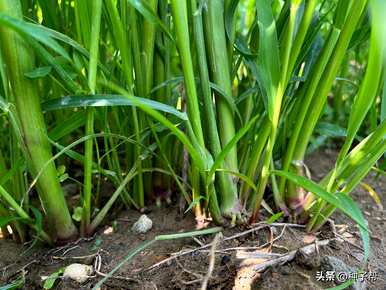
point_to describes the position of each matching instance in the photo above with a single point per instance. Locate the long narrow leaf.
(340, 200)
(100, 100)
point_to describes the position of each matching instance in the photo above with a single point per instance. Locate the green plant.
(219, 101)
(19, 60)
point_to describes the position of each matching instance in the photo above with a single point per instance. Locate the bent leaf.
(340, 200)
(102, 100)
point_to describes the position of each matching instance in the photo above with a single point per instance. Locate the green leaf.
(372, 79)
(102, 100)
(61, 169)
(275, 217)
(10, 110)
(229, 17)
(97, 244)
(331, 130)
(241, 46)
(228, 147)
(39, 72)
(17, 284)
(340, 200)
(230, 101)
(8, 219)
(50, 281)
(171, 82)
(42, 34)
(241, 176)
(38, 220)
(32, 30)
(268, 60)
(144, 9)
(77, 215)
(67, 126)
(383, 102)
(195, 202)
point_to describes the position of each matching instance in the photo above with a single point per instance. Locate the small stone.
(308, 260)
(78, 272)
(142, 225)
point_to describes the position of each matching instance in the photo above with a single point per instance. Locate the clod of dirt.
(285, 269)
(341, 271)
(142, 225)
(78, 272)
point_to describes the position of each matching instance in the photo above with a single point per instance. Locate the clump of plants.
(217, 102)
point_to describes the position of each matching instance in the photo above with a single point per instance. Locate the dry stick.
(70, 245)
(287, 257)
(197, 275)
(211, 262)
(97, 268)
(282, 225)
(21, 270)
(258, 247)
(275, 239)
(260, 226)
(70, 249)
(191, 282)
(270, 243)
(184, 270)
(181, 253)
(74, 257)
(248, 273)
(348, 241)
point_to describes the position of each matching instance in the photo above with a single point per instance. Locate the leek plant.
(217, 101)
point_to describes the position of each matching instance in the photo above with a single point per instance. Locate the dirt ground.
(184, 263)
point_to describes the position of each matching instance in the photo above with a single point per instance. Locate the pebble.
(78, 272)
(142, 225)
(308, 260)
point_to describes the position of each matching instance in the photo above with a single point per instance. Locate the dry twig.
(183, 253)
(211, 262)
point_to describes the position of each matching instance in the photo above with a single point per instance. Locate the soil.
(113, 242)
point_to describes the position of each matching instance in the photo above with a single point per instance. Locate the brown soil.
(188, 271)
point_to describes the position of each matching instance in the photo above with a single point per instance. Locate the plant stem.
(92, 75)
(220, 72)
(19, 59)
(224, 181)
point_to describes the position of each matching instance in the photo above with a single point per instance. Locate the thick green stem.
(277, 103)
(329, 74)
(306, 94)
(19, 59)
(179, 10)
(323, 87)
(218, 58)
(147, 54)
(224, 181)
